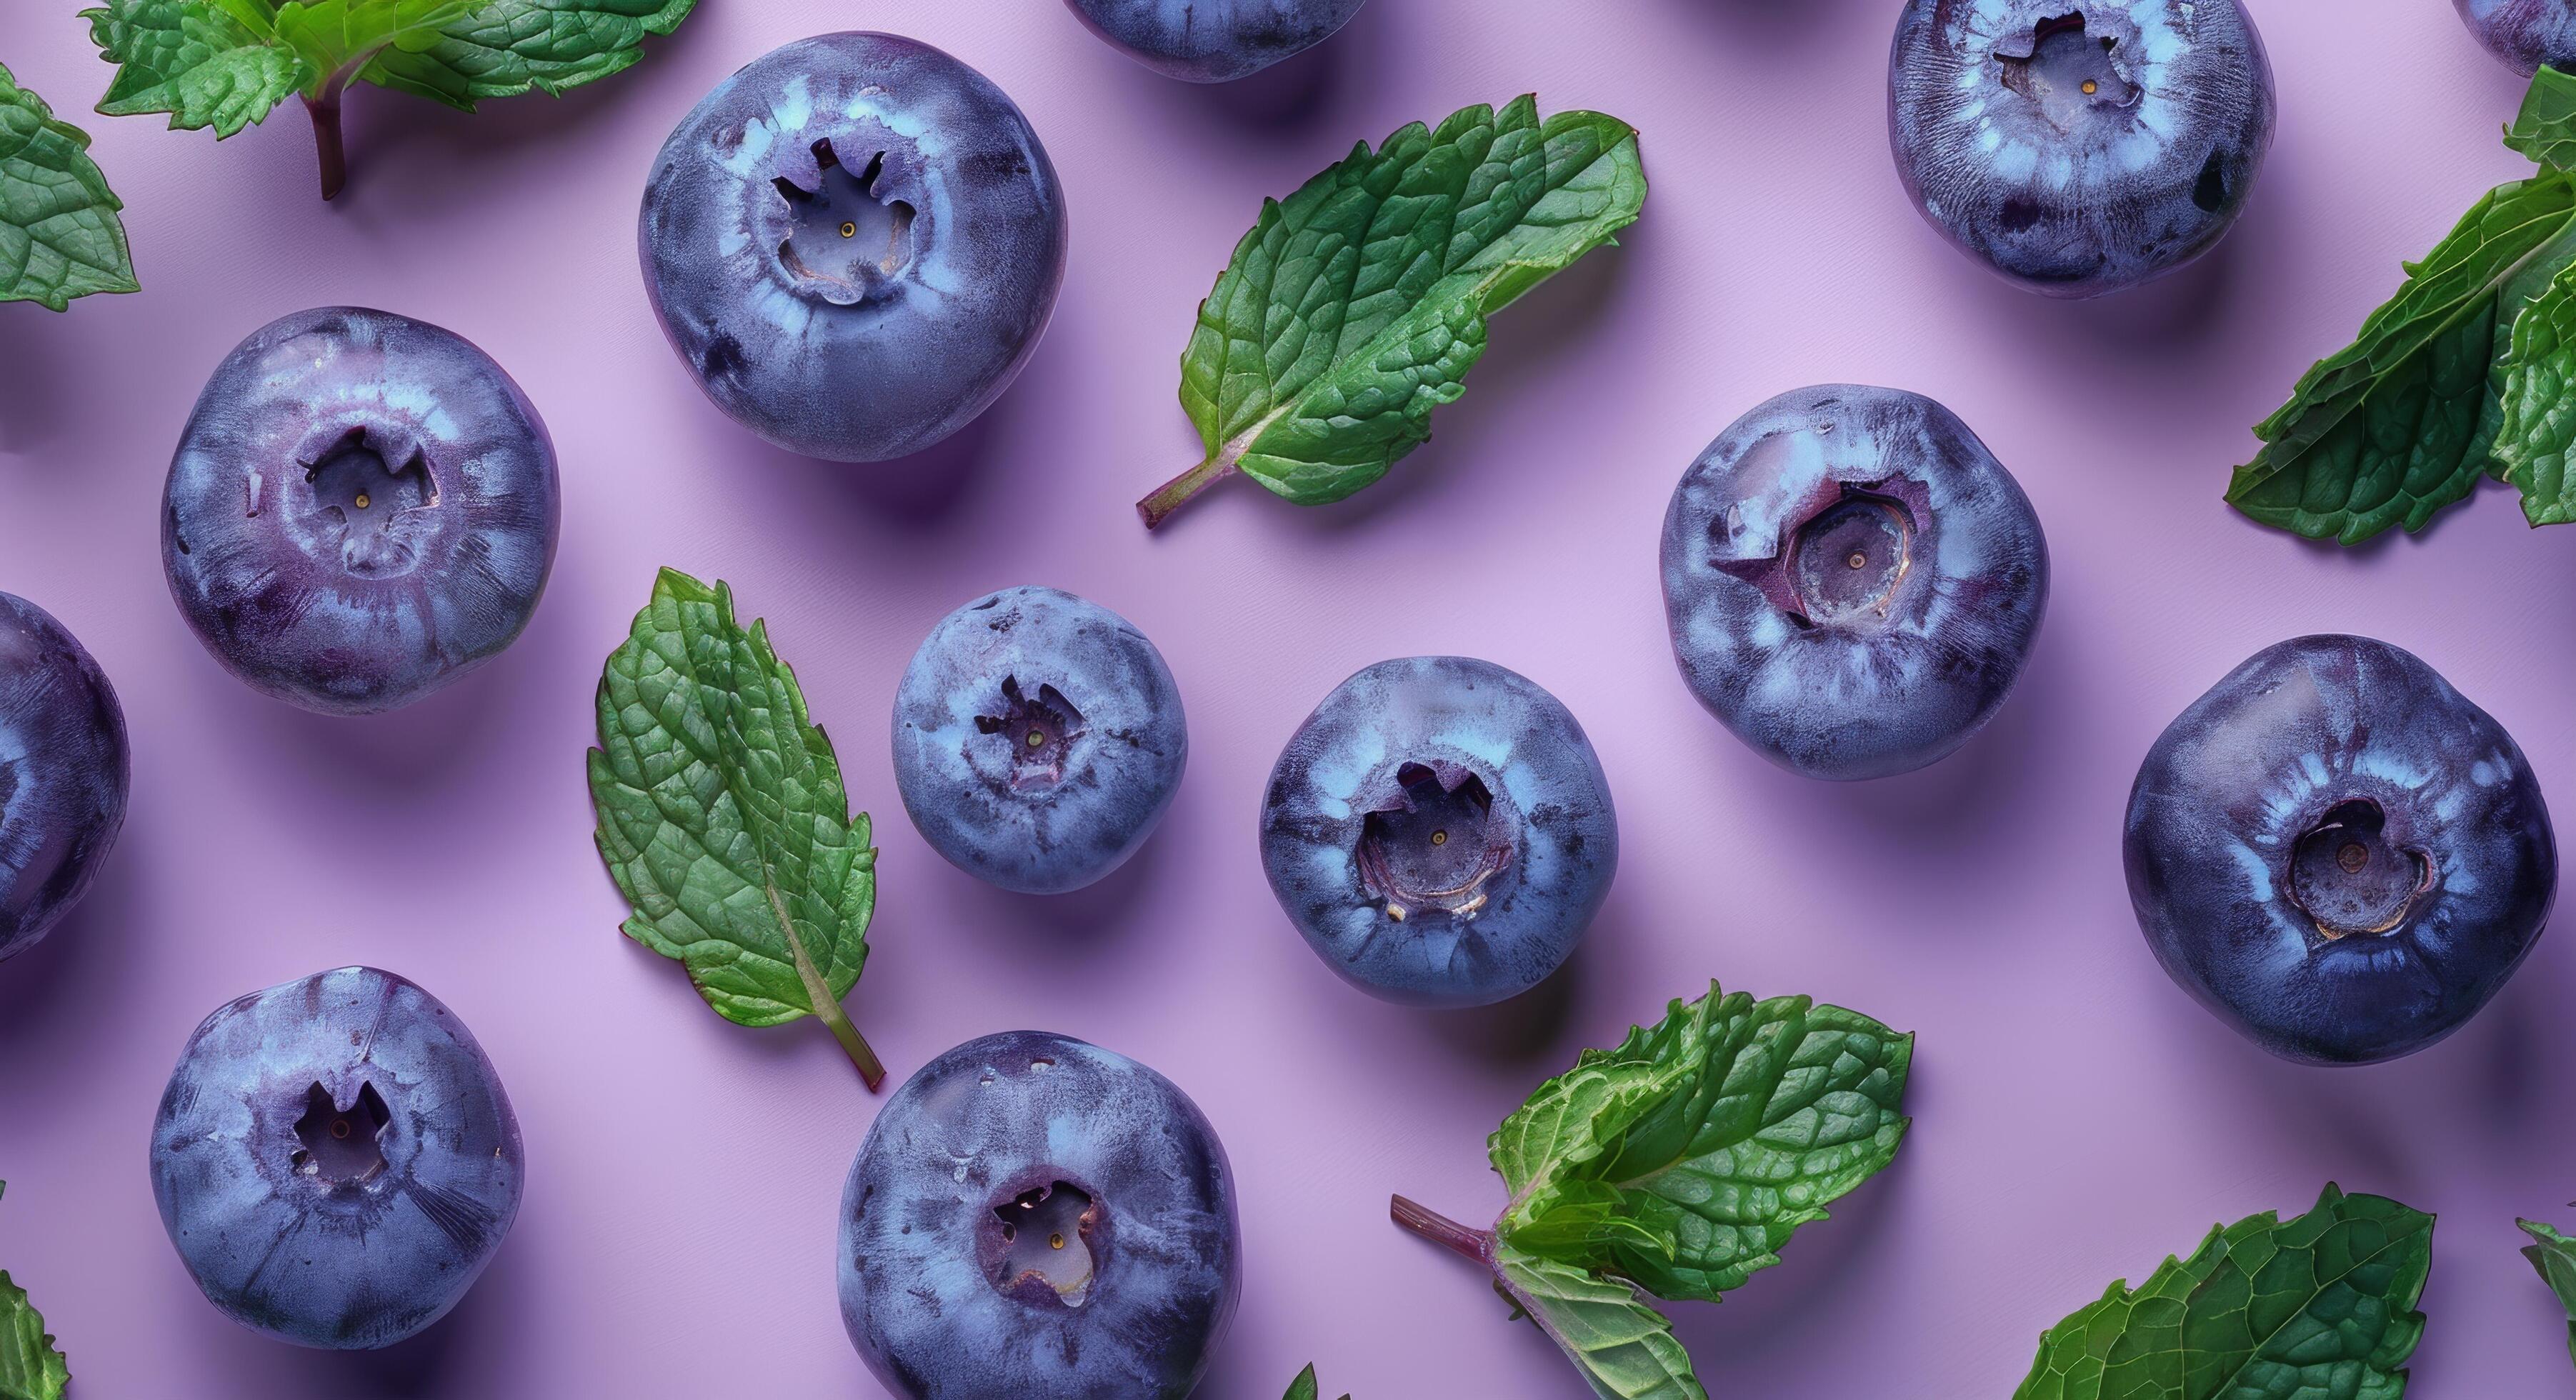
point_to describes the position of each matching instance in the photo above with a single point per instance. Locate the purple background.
(2077, 1117)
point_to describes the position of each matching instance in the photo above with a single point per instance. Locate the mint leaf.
(206, 63)
(1357, 305)
(1678, 1163)
(2555, 1257)
(516, 46)
(2538, 413)
(2545, 129)
(2320, 1305)
(2387, 431)
(1624, 1349)
(226, 63)
(59, 234)
(1303, 1388)
(723, 817)
(1684, 1159)
(30, 1367)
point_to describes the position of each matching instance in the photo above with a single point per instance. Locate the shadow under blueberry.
(83, 964)
(1299, 93)
(34, 390)
(1525, 1033)
(1061, 936)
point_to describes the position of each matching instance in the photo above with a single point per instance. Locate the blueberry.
(854, 243)
(2337, 853)
(1440, 831)
(62, 772)
(1035, 1217)
(2079, 148)
(1037, 739)
(1214, 41)
(335, 1160)
(1852, 580)
(362, 509)
(2524, 33)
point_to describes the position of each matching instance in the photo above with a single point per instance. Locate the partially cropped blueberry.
(854, 243)
(2337, 853)
(1039, 1218)
(335, 1159)
(1214, 41)
(1852, 580)
(2524, 33)
(62, 772)
(2080, 148)
(1037, 739)
(363, 508)
(1440, 831)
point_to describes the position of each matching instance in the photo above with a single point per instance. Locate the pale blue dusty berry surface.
(1214, 41)
(335, 1159)
(1036, 1217)
(1851, 580)
(363, 508)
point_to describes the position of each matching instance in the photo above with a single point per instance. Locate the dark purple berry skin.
(362, 509)
(335, 1159)
(1038, 738)
(2076, 148)
(1440, 831)
(63, 772)
(1214, 41)
(1038, 1218)
(2524, 33)
(1852, 581)
(2337, 853)
(853, 243)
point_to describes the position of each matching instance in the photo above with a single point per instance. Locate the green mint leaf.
(30, 1367)
(724, 820)
(2545, 129)
(509, 47)
(1685, 1158)
(1357, 305)
(1624, 1349)
(2538, 404)
(60, 237)
(1303, 1388)
(2554, 1255)
(2392, 428)
(2266, 1309)
(208, 63)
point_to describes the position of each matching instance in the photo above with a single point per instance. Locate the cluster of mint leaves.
(227, 63)
(1678, 1164)
(31, 1368)
(60, 236)
(1357, 305)
(724, 820)
(2469, 371)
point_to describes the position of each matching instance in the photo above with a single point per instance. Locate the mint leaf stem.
(328, 146)
(1461, 1240)
(1176, 493)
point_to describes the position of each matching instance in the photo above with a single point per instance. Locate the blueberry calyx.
(1039, 731)
(358, 484)
(1045, 1239)
(1848, 554)
(845, 240)
(1437, 844)
(2065, 71)
(340, 1144)
(2352, 876)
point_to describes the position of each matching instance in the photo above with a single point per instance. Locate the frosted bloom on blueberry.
(1033, 1216)
(1038, 737)
(2337, 853)
(63, 772)
(1440, 831)
(1851, 580)
(2079, 146)
(853, 243)
(2524, 33)
(1214, 41)
(363, 508)
(335, 1159)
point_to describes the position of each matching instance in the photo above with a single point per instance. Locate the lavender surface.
(2077, 1117)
